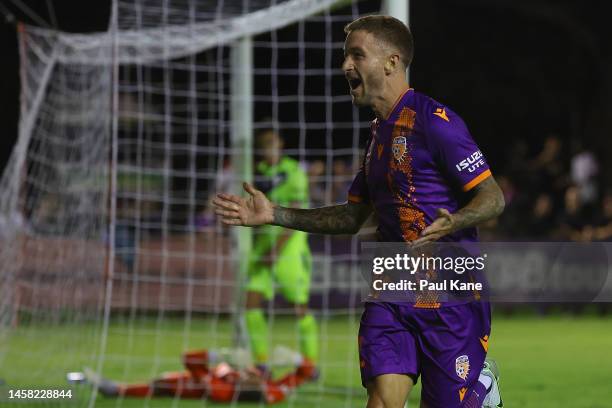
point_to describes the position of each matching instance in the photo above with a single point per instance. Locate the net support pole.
(241, 115)
(399, 9)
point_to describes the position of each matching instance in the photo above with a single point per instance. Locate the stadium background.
(532, 81)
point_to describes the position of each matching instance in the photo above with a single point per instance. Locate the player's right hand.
(251, 211)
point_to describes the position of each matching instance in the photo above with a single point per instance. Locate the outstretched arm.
(344, 218)
(486, 203)
(256, 209)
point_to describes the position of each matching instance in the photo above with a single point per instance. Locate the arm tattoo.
(336, 219)
(487, 203)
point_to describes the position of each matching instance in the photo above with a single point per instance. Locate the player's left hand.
(443, 225)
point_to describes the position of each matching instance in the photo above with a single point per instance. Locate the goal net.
(110, 255)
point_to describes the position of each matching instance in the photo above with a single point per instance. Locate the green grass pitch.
(552, 361)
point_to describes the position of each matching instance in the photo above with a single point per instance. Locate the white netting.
(109, 252)
(54, 213)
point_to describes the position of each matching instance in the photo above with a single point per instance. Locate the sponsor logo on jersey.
(462, 366)
(441, 113)
(471, 163)
(398, 147)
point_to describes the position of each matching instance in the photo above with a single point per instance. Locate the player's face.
(269, 146)
(363, 66)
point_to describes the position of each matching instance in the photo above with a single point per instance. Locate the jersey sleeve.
(358, 191)
(454, 149)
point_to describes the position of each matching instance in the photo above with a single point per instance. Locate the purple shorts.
(447, 346)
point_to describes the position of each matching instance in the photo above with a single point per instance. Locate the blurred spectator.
(601, 229)
(548, 167)
(571, 219)
(584, 170)
(512, 219)
(204, 220)
(225, 182)
(226, 178)
(542, 217)
(316, 178)
(516, 161)
(342, 178)
(548, 158)
(508, 189)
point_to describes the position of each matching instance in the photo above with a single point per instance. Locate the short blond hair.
(389, 30)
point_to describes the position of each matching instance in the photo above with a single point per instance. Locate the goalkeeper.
(280, 256)
(209, 376)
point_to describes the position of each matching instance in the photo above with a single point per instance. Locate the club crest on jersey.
(462, 366)
(398, 147)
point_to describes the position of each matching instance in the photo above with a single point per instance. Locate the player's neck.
(384, 104)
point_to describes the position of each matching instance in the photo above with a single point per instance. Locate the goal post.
(399, 9)
(242, 145)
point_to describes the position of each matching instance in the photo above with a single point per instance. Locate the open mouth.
(354, 83)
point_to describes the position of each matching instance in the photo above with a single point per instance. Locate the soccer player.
(279, 255)
(426, 180)
(205, 377)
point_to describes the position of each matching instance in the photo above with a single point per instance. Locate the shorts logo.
(398, 148)
(485, 343)
(462, 366)
(462, 392)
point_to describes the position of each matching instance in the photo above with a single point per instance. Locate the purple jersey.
(419, 159)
